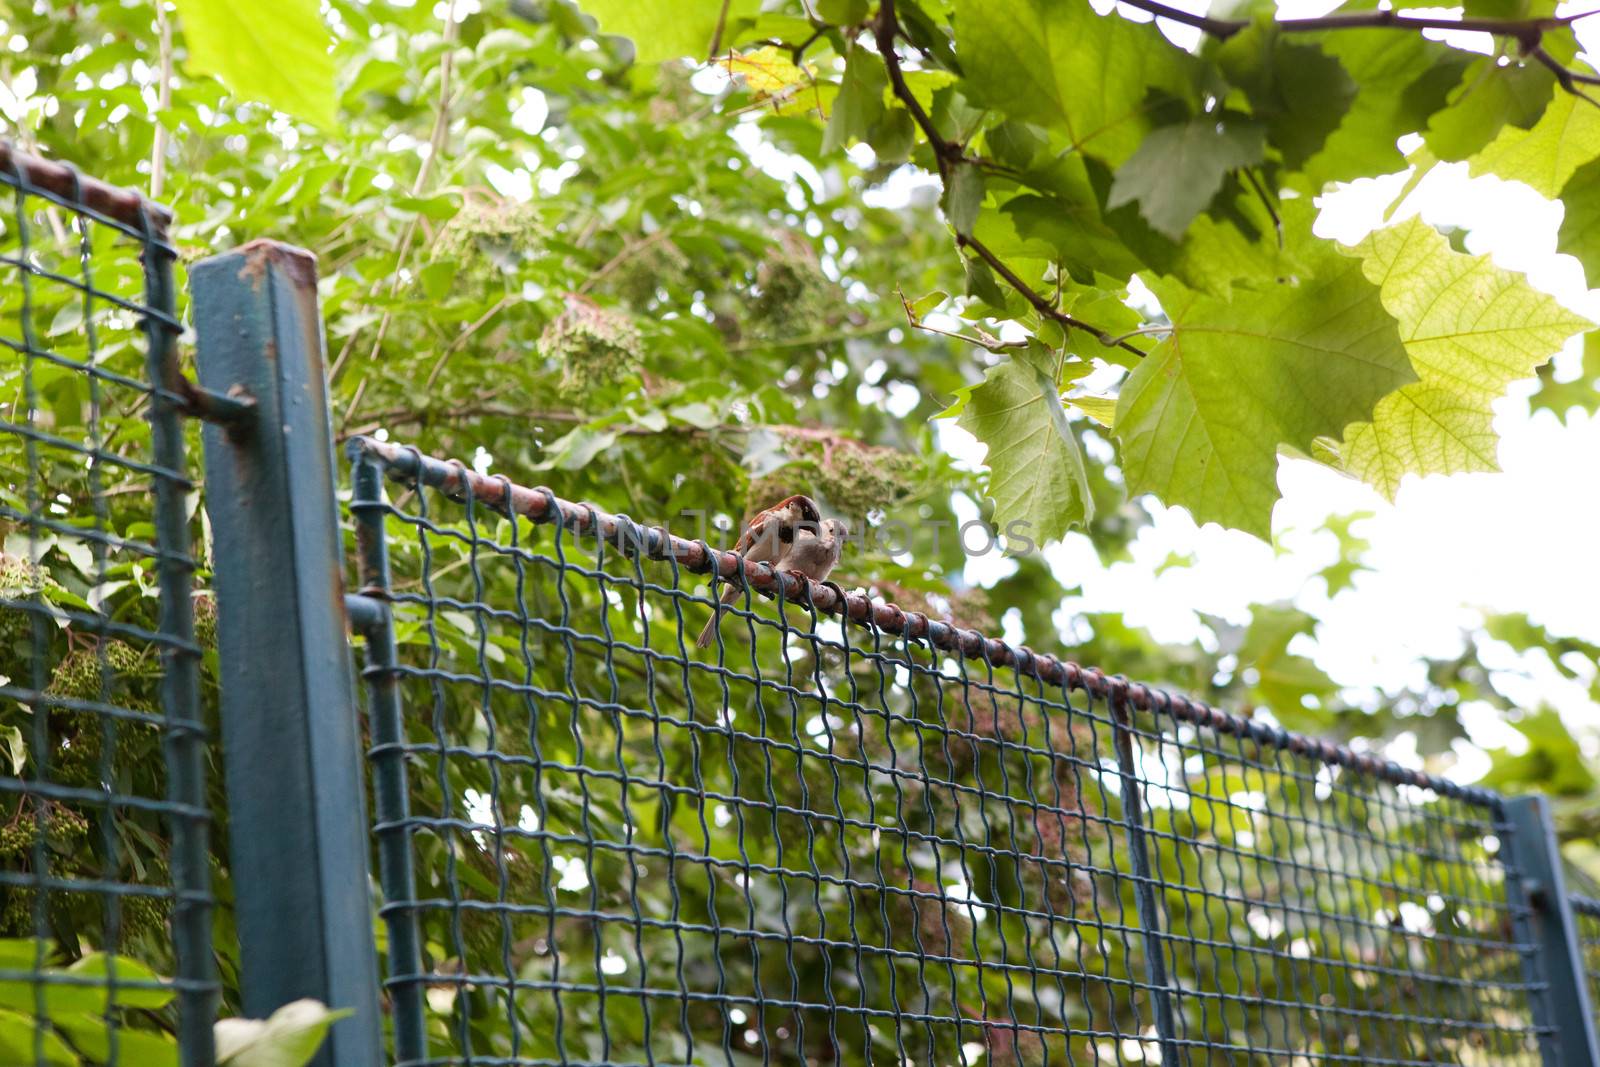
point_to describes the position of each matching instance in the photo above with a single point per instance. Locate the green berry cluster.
(496, 235)
(793, 296)
(65, 828)
(124, 680)
(594, 346)
(20, 579)
(858, 478)
(853, 479)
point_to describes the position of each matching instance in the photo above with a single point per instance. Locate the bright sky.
(1448, 548)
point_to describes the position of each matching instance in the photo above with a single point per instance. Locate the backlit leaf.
(1178, 169)
(1202, 417)
(1036, 471)
(1060, 64)
(275, 54)
(1470, 329)
(1545, 157)
(670, 29)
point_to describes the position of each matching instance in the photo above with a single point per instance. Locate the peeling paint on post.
(291, 746)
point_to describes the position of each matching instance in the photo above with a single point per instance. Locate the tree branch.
(947, 153)
(1525, 31)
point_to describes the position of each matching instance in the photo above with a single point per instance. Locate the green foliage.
(275, 54)
(1471, 329)
(1036, 468)
(1179, 169)
(1318, 357)
(675, 296)
(1075, 145)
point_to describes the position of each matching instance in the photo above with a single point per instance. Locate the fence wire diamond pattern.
(882, 841)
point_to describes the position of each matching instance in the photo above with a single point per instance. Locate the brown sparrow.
(767, 539)
(816, 550)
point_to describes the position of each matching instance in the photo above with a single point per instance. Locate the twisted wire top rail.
(127, 206)
(540, 505)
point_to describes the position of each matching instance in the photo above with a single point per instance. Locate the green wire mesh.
(876, 842)
(104, 898)
(1586, 910)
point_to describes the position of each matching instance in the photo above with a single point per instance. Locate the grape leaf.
(859, 103)
(1470, 329)
(1565, 138)
(1069, 232)
(662, 30)
(276, 54)
(1201, 419)
(1178, 169)
(1582, 392)
(1395, 99)
(1489, 98)
(767, 71)
(1580, 222)
(1061, 65)
(1036, 471)
(1300, 93)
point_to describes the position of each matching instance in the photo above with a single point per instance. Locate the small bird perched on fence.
(768, 538)
(816, 551)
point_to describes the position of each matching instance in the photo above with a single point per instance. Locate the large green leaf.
(669, 29)
(1404, 78)
(75, 996)
(1202, 418)
(1470, 329)
(1178, 169)
(1489, 97)
(1565, 138)
(1580, 219)
(1298, 91)
(859, 103)
(19, 1037)
(1057, 63)
(1036, 472)
(276, 53)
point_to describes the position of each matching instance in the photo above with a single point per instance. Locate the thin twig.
(947, 153)
(462, 337)
(158, 147)
(984, 341)
(1527, 31)
(1145, 331)
(1266, 202)
(716, 38)
(1566, 78)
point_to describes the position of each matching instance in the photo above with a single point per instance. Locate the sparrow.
(816, 550)
(767, 539)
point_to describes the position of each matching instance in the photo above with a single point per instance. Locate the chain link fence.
(1586, 909)
(104, 862)
(884, 840)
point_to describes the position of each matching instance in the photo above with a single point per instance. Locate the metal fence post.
(1144, 882)
(390, 789)
(1536, 882)
(291, 744)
